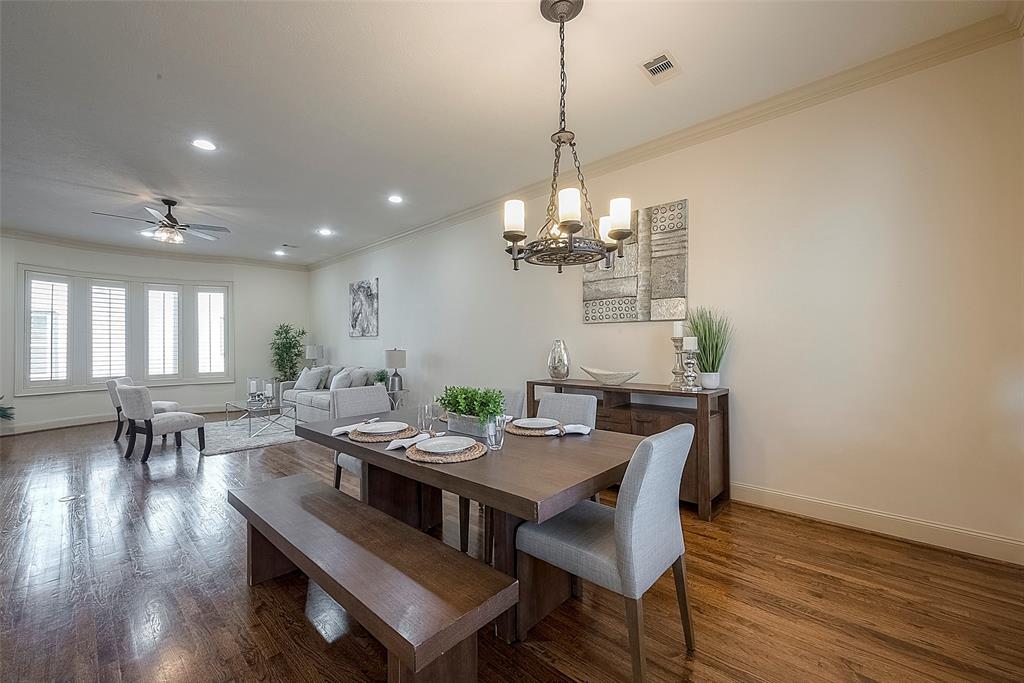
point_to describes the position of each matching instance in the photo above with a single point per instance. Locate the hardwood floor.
(112, 570)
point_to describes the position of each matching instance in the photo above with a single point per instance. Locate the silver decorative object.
(685, 369)
(558, 360)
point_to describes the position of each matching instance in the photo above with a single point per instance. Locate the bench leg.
(457, 665)
(264, 561)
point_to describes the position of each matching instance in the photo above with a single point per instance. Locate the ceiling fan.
(168, 229)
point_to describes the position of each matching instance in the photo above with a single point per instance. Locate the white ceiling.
(321, 110)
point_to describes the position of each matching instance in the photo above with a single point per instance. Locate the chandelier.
(568, 236)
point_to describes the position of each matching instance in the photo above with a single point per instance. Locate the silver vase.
(558, 360)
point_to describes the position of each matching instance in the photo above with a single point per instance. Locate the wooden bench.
(423, 600)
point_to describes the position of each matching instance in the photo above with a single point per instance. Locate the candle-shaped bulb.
(621, 213)
(569, 208)
(515, 216)
(604, 226)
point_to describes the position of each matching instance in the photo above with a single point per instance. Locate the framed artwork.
(362, 308)
(649, 281)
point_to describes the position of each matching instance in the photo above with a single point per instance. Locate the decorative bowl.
(610, 377)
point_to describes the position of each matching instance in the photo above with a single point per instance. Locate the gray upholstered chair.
(624, 549)
(158, 406)
(358, 401)
(137, 407)
(569, 409)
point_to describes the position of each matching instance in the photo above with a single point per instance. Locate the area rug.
(223, 437)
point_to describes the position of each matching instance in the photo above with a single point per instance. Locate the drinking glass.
(496, 432)
(425, 417)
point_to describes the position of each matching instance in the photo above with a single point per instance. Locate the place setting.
(544, 426)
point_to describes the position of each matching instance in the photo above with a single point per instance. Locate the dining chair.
(158, 406)
(626, 548)
(137, 406)
(569, 409)
(358, 401)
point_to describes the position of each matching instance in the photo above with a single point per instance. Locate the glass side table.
(271, 415)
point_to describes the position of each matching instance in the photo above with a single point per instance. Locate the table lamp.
(394, 358)
(314, 352)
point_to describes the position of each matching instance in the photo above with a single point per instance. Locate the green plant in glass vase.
(286, 351)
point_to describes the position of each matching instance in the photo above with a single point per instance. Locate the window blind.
(162, 306)
(210, 324)
(109, 331)
(48, 332)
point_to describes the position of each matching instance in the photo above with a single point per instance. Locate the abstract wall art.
(649, 281)
(362, 308)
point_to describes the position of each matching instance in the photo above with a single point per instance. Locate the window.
(211, 313)
(77, 330)
(48, 330)
(108, 341)
(162, 313)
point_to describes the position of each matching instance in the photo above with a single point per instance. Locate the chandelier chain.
(564, 80)
(583, 187)
(552, 210)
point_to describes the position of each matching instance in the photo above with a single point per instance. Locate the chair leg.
(149, 440)
(463, 524)
(177, 439)
(120, 425)
(679, 571)
(202, 439)
(337, 476)
(635, 625)
(131, 440)
(488, 535)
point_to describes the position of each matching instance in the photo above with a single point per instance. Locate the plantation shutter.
(109, 330)
(162, 307)
(48, 330)
(210, 324)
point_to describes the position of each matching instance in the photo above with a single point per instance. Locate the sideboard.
(705, 480)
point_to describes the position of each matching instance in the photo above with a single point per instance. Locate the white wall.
(869, 250)
(262, 298)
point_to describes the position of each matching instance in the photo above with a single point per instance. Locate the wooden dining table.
(529, 479)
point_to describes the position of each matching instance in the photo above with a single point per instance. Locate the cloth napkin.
(569, 429)
(338, 431)
(405, 443)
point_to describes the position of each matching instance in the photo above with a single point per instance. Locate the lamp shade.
(394, 358)
(313, 351)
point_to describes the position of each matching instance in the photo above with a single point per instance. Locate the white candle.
(677, 328)
(268, 388)
(515, 216)
(569, 204)
(604, 226)
(689, 343)
(621, 213)
(252, 387)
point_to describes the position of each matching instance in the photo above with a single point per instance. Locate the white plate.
(442, 445)
(535, 422)
(382, 427)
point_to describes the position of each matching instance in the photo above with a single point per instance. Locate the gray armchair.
(137, 407)
(627, 548)
(158, 406)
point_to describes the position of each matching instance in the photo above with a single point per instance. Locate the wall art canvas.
(649, 281)
(362, 308)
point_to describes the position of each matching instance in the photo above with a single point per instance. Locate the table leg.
(505, 526)
(416, 504)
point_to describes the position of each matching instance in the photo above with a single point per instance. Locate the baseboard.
(28, 427)
(970, 541)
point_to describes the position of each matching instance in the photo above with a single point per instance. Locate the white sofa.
(322, 403)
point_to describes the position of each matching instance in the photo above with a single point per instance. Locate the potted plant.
(381, 377)
(471, 410)
(6, 412)
(713, 331)
(286, 351)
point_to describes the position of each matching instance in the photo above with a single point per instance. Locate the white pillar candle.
(252, 387)
(621, 213)
(689, 343)
(569, 204)
(515, 216)
(677, 328)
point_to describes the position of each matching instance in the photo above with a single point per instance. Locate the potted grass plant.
(472, 410)
(713, 332)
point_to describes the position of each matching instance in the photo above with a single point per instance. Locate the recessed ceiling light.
(280, 252)
(395, 199)
(324, 231)
(204, 145)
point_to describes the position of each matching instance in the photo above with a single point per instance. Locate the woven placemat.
(520, 431)
(471, 453)
(357, 435)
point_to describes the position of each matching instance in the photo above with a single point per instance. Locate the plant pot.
(466, 424)
(710, 380)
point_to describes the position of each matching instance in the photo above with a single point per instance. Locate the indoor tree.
(286, 350)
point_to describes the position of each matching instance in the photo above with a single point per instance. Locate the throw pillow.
(342, 380)
(360, 376)
(310, 379)
(335, 369)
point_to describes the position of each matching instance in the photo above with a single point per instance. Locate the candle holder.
(685, 369)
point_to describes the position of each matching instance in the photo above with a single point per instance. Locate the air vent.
(661, 68)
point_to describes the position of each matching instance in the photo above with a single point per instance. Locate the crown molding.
(84, 245)
(968, 40)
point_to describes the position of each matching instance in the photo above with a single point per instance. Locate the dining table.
(530, 479)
